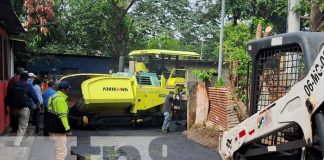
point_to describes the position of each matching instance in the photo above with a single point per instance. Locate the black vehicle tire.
(312, 154)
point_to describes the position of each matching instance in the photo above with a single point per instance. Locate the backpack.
(17, 96)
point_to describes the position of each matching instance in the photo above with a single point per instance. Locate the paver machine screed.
(286, 101)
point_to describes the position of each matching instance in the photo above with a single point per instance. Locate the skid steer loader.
(286, 104)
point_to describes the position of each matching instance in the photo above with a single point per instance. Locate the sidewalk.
(9, 152)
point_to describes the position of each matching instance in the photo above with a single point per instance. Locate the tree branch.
(305, 17)
(128, 31)
(128, 7)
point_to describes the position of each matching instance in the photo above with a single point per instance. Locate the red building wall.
(4, 78)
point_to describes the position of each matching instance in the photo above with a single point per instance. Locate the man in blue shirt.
(46, 95)
(20, 98)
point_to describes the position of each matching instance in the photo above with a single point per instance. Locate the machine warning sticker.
(316, 74)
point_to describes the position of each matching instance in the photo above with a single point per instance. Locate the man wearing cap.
(58, 106)
(31, 78)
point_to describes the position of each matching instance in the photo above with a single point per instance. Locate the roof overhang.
(18, 45)
(8, 18)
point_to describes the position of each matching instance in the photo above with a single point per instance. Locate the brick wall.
(219, 103)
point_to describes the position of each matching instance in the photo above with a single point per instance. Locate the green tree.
(18, 6)
(235, 40)
(159, 18)
(164, 43)
(200, 29)
(312, 11)
(273, 12)
(194, 25)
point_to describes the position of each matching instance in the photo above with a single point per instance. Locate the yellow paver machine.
(124, 97)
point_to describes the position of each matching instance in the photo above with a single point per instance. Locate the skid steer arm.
(296, 107)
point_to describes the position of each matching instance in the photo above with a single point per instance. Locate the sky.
(193, 1)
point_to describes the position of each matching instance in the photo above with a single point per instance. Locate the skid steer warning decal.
(264, 118)
(316, 75)
(229, 143)
(251, 132)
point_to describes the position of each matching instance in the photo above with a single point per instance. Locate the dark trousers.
(45, 126)
(36, 120)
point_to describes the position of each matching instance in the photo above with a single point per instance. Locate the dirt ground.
(206, 136)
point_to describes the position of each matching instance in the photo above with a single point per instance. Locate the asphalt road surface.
(142, 144)
(130, 144)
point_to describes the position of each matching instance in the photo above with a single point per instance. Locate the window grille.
(277, 70)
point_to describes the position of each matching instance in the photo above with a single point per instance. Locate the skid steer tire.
(312, 154)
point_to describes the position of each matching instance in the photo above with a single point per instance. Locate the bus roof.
(163, 52)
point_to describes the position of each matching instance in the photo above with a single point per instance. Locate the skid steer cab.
(286, 101)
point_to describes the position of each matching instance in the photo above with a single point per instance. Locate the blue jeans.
(166, 120)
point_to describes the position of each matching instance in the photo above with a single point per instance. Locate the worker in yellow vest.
(57, 120)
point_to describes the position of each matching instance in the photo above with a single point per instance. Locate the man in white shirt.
(37, 110)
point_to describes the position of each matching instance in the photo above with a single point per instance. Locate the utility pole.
(201, 49)
(121, 64)
(220, 56)
(293, 25)
(293, 19)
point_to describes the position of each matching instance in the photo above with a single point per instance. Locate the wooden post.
(191, 106)
(202, 104)
(259, 31)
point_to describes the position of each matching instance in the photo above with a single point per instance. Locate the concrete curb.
(10, 152)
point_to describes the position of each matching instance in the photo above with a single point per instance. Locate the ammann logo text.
(121, 89)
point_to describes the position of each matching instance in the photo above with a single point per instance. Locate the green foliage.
(164, 43)
(179, 25)
(304, 6)
(101, 27)
(220, 82)
(204, 76)
(273, 12)
(235, 40)
(18, 6)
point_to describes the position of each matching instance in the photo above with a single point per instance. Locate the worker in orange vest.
(44, 85)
